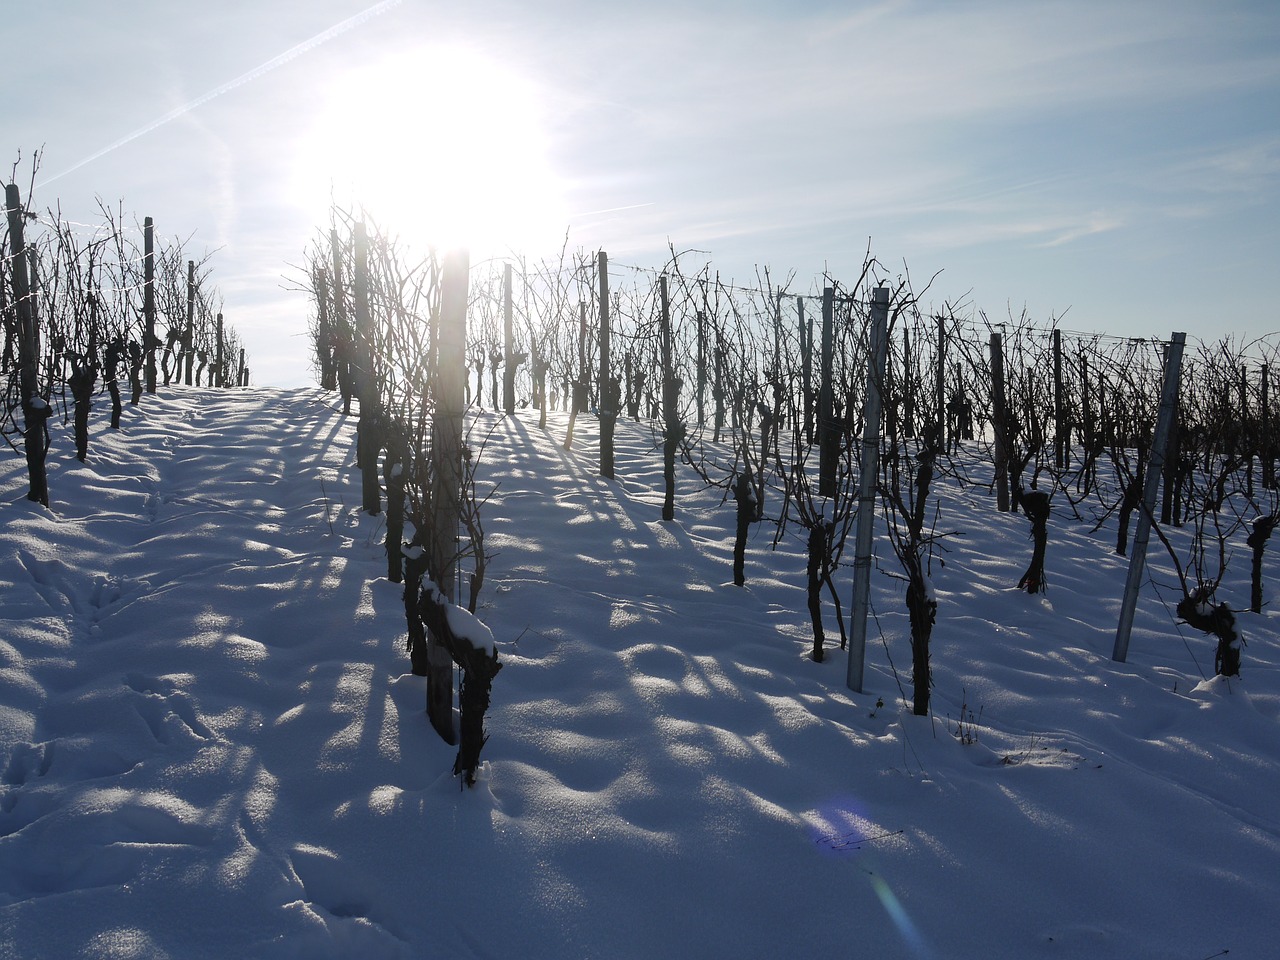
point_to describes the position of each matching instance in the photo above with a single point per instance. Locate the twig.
(851, 840)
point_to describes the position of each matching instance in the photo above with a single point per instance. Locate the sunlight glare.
(441, 145)
(901, 919)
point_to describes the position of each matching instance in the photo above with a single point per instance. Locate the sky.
(1114, 166)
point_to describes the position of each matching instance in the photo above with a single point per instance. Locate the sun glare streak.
(443, 144)
(292, 53)
(901, 919)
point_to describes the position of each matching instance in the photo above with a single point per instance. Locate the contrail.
(630, 206)
(295, 51)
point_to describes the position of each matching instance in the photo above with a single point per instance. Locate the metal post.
(999, 424)
(1138, 555)
(867, 490)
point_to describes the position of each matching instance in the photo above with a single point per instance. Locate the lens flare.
(911, 935)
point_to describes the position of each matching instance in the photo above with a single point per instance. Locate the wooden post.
(1268, 433)
(24, 300)
(806, 369)
(999, 424)
(580, 394)
(1138, 556)
(777, 338)
(1060, 438)
(664, 326)
(346, 358)
(578, 387)
(888, 394)
(610, 395)
(867, 482)
(242, 379)
(1248, 435)
(718, 391)
(327, 345)
(673, 430)
(908, 385)
(1088, 424)
(446, 493)
(700, 319)
(368, 429)
(828, 435)
(508, 348)
(363, 372)
(1170, 508)
(189, 337)
(1087, 427)
(633, 402)
(149, 339)
(940, 384)
(1241, 444)
(219, 377)
(35, 411)
(540, 365)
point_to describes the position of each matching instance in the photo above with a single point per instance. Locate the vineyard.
(214, 744)
(89, 308)
(765, 394)
(742, 616)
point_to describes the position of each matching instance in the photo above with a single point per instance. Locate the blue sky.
(1118, 163)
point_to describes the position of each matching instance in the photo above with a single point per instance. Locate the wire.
(1177, 626)
(896, 679)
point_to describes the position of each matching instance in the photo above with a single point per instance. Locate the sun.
(442, 145)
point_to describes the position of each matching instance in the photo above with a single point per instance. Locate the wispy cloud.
(990, 115)
(1243, 167)
(1094, 225)
(1031, 231)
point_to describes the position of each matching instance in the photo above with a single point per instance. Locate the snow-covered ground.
(212, 745)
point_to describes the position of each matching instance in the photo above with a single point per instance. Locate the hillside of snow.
(211, 745)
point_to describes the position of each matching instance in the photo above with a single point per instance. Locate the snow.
(465, 625)
(211, 744)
